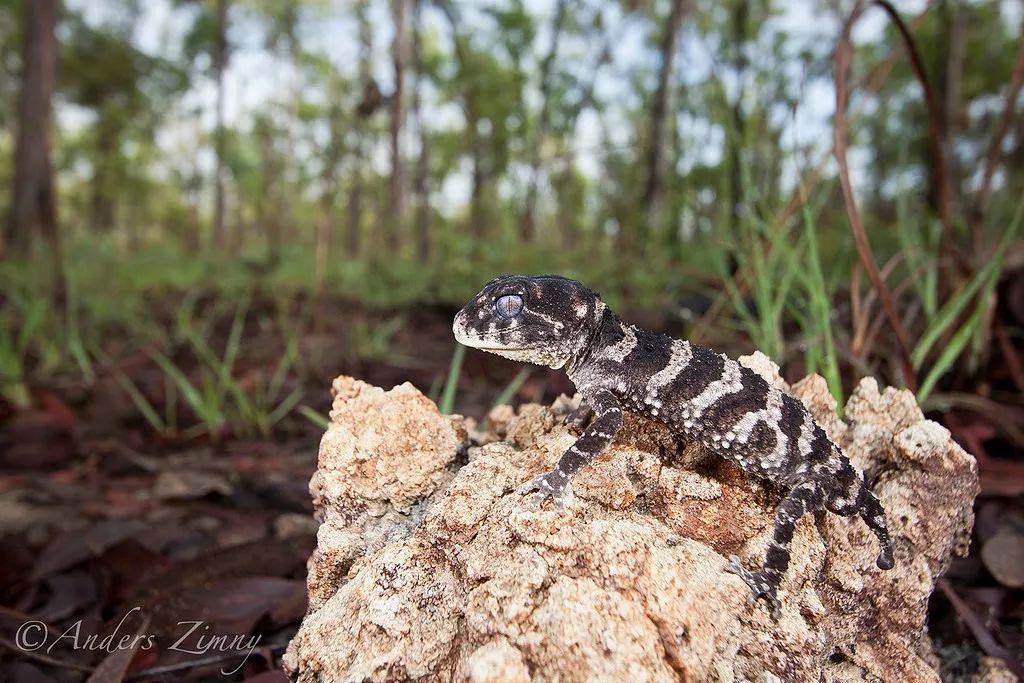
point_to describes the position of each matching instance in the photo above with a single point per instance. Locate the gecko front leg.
(595, 438)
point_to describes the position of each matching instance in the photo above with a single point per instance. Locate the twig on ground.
(985, 639)
(44, 659)
(273, 650)
(1009, 355)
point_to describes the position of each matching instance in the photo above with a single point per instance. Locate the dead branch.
(843, 59)
(985, 639)
(936, 131)
(995, 147)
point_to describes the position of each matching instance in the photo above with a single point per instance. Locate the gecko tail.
(874, 516)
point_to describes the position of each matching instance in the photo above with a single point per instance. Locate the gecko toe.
(542, 489)
(538, 484)
(737, 568)
(885, 560)
(760, 587)
(528, 487)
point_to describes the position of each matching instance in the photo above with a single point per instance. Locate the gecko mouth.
(484, 344)
(490, 343)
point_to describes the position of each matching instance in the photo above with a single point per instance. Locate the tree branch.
(936, 131)
(843, 59)
(996, 145)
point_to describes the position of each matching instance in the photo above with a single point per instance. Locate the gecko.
(699, 394)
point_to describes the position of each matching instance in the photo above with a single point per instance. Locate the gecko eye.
(508, 306)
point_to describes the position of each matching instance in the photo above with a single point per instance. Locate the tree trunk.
(104, 186)
(736, 138)
(955, 29)
(353, 233)
(220, 61)
(587, 99)
(527, 226)
(569, 218)
(272, 197)
(477, 226)
(396, 186)
(34, 200)
(422, 181)
(329, 187)
(654, 188)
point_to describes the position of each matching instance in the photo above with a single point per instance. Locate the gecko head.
(545, 320)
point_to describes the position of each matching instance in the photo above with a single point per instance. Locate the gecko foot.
(547, 485)
(760, 586)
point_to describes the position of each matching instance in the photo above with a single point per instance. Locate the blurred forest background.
(212, 207)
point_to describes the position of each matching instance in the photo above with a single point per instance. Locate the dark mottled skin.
(699, 394)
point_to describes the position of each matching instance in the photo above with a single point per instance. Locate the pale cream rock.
(428, 572)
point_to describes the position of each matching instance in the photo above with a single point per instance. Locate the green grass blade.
(317, 418)
(234, 341)
(819, 298)
(284, 407)
(434, 393)
(951, 310)
(513, 387)
(949, 354)
(283, 367)
(142, 404)
(207, 411)
(451, 384)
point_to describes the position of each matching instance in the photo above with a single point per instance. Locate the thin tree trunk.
(654, 188)
(260, 209)
(103, 184)
(480, 175)
(736, 139)
(527, 226)
(568, 220)
(220, 61)
(476, 200)
(396, 186)
(272, 198)
(956, 31)
(421, 184)
(587, 99)
(329, 186)
(286, 204)
(353, 233)
(33, 206)
(236, 235)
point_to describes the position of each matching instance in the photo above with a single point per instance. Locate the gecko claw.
(760, 587)
(559, 494)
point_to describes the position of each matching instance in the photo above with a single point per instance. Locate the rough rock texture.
(430, 571)
(992, 670)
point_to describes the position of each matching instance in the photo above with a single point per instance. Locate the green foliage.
(135, 159)
(16, 342)
(974, 298)
(817, 323)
